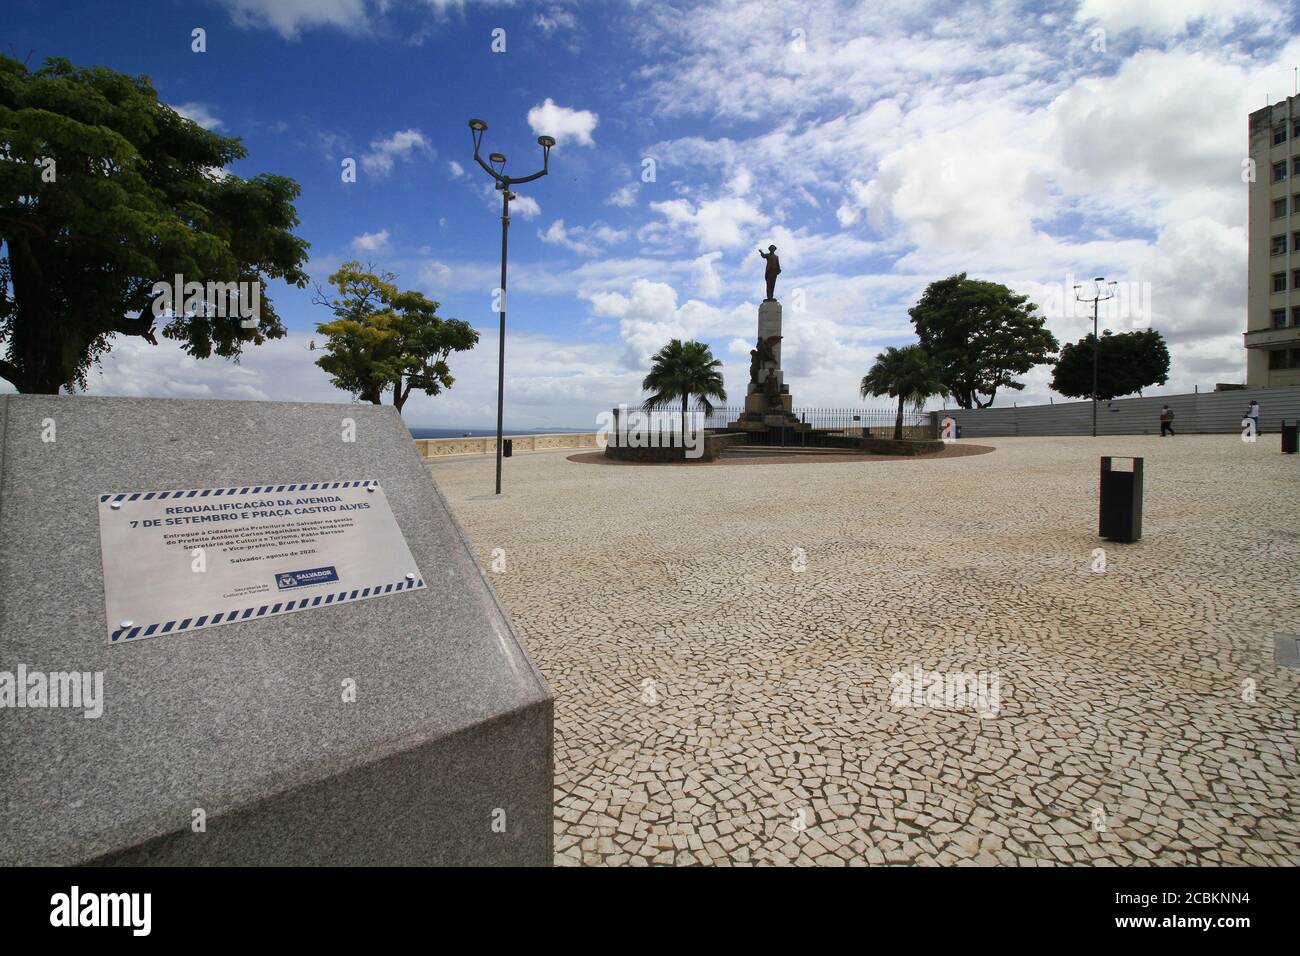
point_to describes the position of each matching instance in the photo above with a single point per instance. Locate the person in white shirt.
(1253, 414)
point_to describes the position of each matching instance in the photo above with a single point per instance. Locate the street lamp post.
(1096, 300)
(504, 182)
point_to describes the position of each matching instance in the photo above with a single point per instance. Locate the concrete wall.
(448, 447)
(1198, 412)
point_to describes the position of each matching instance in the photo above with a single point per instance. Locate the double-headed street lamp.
(1096, 300)
(477, 129)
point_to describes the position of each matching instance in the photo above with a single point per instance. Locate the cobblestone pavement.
(731, 651)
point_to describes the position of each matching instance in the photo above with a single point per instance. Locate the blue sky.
(880, 146)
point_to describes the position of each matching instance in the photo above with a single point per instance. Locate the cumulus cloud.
(565, 124)
(586, 240)
(371, 241)
(200, 113)
(717, 224)
(403, 145)
(290, 17)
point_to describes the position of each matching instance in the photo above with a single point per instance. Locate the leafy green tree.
(382, 338)
(907, 374)
(106, 191)
(682, 370)
(1126, 363)
(980, 335)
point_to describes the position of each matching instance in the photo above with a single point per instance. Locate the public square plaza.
(724, 640)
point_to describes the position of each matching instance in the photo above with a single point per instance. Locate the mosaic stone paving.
(898, 662)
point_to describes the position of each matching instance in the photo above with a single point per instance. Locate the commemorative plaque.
(177, 561)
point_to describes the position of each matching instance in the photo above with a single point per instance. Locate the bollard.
(508, 449)
(1120, 517)
(1290, 434)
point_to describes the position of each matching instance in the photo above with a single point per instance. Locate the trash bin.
(508, 448)
(957, 430)
(1120, 508)
(1290, 437)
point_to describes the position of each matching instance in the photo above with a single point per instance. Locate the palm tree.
(681, 370)
(905, 373)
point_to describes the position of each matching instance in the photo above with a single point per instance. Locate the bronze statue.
(767, 350)
(772, 271)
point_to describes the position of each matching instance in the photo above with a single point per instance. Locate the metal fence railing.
(880, 420)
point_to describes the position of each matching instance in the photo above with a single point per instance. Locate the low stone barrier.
(713, 445)
(487, 445)
(908, 446)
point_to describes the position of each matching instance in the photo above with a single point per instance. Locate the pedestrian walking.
(1166, 421)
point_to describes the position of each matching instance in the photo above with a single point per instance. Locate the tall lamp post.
(1096, 300)
(477, 129)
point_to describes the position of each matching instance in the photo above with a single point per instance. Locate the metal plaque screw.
(127, 623)
(115, 505)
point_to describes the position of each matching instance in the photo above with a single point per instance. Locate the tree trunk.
(898, 422)
(685, 399)
(36, 342)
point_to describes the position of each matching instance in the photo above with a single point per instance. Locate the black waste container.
(1290, 437)
(508, 448)
(1120, 509)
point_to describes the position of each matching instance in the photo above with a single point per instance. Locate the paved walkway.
(735, 655)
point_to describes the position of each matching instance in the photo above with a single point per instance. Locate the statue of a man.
(773, 270)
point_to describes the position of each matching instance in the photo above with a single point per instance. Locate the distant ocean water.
(483, 432)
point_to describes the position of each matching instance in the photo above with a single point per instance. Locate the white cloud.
(456, 169)
(555, 19)
(1157, 18)
(290, 17)
(405, 145)
(371, 241)
(200, 113)
(565, 124)
(716, 224)
(586, 240)
(624, 197)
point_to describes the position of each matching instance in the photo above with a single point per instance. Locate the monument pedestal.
(768, 403)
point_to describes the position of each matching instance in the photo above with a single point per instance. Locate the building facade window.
(1278, 247)
(1279, 208)
(1295, 165)
(1295, 316)
(1279, 171)
(1279, 134)
(1279, 281)
(1279, 318)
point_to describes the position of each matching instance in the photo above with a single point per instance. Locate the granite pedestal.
(768, 403)
(445, 757)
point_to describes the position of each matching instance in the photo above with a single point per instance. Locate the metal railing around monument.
(848, 421)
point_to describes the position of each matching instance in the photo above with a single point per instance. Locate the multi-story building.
(1273, 263)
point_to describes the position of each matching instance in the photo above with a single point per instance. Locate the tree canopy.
(682, 370)
(384, 339)
(1126, 364)
(980, 335)
(105, 192)
(907, 374)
